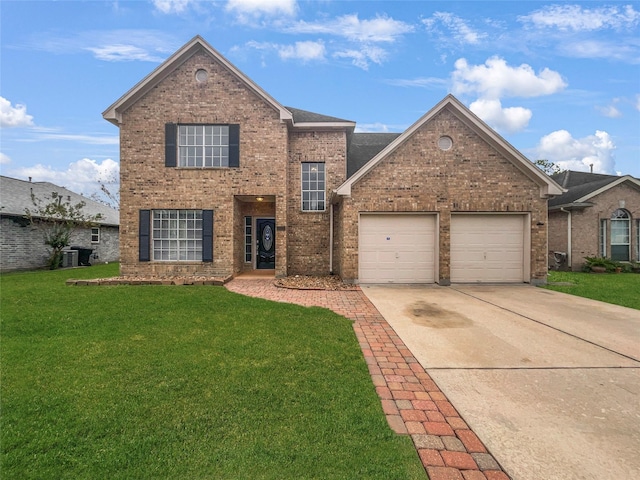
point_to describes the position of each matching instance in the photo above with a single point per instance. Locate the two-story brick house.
(217, 177)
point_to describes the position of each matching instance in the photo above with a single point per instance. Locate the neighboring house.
(598, 216)
(217, 178)
(22, 245)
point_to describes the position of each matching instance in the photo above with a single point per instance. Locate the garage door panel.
(397, 248)
(487, 248)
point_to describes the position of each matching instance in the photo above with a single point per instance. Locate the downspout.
(568, 212)
(331, 238)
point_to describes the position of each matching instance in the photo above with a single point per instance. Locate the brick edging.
(411, 400)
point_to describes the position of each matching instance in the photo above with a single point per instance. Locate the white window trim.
(97, 234)
(603, 237)
(181, 240)
(619, 220)
(217, 161)
(311, 191)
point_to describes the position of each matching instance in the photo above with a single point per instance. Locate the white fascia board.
(113, 112)
(325, 125)
(615, 183)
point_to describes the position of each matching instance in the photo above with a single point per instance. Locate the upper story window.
(202, 146)
(313, 187)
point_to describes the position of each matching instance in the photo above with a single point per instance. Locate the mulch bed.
(310, 282)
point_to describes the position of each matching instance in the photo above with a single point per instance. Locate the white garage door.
(397, 248)
(487, 248)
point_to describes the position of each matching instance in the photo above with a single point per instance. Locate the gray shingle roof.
(303, 116)
(579, 185)
(15, 196)
(364, 146)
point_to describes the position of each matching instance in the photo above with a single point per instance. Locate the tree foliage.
(58, 219)
(548, 167)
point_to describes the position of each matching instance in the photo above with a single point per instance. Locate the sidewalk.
(412, 402)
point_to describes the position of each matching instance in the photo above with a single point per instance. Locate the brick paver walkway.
(412, 402)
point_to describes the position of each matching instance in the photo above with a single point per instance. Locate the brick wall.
(147, 184)
(585, 223)
(419, 177)
(308, 232)
(558, 241)
(22, 246)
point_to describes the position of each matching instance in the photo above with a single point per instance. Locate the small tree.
(548, 167)
(109, 192)
(58, 219)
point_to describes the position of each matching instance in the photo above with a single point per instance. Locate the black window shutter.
(170, 148)
(144, 237)
(234, 146)
(207, 235)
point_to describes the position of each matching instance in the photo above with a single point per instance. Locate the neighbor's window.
(177, 235)
(313, 186)
(620, 235)
(95, 234)
(203, 145)
(603, 237)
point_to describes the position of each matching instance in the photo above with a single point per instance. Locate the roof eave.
(571, 206)
(323, 125)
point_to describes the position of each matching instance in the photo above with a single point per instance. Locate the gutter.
(331, 238)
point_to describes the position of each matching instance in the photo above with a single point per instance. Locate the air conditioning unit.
(69, 258)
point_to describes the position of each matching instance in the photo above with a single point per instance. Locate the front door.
(266, 244)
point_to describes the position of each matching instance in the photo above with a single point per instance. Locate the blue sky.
(559, 80)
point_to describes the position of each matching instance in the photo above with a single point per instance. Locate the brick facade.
(146, 183)
(473, 176)
(470, 177)
(585, 224)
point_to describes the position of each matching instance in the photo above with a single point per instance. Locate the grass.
(139, 382)
(617, 288)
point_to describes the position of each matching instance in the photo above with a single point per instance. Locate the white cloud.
(112, 45)
(638, 102)
(578, 19)
(14, 116)
(457, 28)
(579, 154)
(171, 6)
(122, 52)
(495, 79)
(511, 119)
(610, 110)
(87, 139)
(619, 50)
(4, 159)
(421, 82)
(379, 29)
(305, 51)
(363, 57)
(83, 176)
(256, 8)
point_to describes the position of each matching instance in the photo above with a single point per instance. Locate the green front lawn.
(618, 288)
(184, 382)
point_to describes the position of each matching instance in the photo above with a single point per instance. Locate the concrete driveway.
(549, 382)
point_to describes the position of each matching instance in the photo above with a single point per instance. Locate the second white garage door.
(397, 248)
(487, 248)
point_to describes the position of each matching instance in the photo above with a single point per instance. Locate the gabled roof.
(197, 43)
(16, 197)
(548, 187)
(582, 186)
